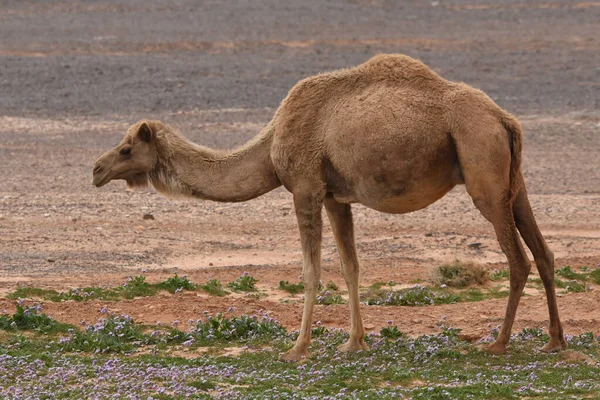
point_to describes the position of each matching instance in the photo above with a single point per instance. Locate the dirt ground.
(74, 75)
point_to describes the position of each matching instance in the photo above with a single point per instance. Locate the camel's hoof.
(353, 346)
(555, 345)
(495, 348)
(294, 355)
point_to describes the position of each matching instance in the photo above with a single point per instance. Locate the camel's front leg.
(308, 212)
(340, 216)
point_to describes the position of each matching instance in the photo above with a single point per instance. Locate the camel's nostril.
(97, 169)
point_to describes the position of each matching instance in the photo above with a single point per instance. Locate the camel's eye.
(126, 151)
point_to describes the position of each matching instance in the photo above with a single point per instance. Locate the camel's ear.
(145, 133)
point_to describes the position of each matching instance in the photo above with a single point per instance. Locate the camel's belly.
(400, 204)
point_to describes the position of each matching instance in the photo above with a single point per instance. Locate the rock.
(475, 245)
(369, 327)
(50, 260)
(148, 216)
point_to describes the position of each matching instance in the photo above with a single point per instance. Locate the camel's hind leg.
(485, 163)
(544, 260)
(340, 217)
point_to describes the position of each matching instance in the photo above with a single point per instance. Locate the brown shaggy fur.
(389, 134)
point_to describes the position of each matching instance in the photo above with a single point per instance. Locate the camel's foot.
(495, 348)
(294, 355)
(353, 345)
(555, 345)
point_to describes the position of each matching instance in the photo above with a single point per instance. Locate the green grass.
(292, 288)
(214, 287)
(595, 275)
(329, 298)
(568, 273)
(176, 284)
(134, 287)
(417, 295)
(436, 366)
(500, 275)
(32, 319)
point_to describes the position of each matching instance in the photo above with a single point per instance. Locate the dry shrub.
(460, 274)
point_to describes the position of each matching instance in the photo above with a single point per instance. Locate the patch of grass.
(32, 319)
(115, 334)
(500, 274)
(134, 287)
(292, 288)
(221, 328)
(332, 286)
(379, 285)
(176, 284)
(244, 283)
(328, 298)
(571, 286)
(89, 293)
(595, 275)
(458, 274)
(568, 273)
(137, 287)
(435, 366)
(214, 287)
(417, 295)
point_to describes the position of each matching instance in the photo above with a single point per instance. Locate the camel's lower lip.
(99, 181)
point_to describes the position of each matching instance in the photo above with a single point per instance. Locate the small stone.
(50, 260)
(369, 327)
(475, 245)
(148, 216)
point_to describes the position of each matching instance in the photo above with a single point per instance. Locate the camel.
(390, 134)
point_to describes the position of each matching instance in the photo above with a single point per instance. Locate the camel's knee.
(349, 271)
(519, 274)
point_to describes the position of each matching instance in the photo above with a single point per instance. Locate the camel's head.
(132, 159)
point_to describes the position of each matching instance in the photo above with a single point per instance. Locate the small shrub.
(332, 286)
(391, 332)
(458, 274)
(327, 298)
(292, 288)
(245, 283)
(214, 287)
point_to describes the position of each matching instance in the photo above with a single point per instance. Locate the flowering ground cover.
(222, 356)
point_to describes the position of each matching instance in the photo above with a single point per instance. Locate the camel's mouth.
(100, 180)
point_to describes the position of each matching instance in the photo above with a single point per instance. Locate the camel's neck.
(186, 169)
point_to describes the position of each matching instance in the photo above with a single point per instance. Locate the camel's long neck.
(186, 169)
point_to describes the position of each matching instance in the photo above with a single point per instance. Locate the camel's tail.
(515, 137)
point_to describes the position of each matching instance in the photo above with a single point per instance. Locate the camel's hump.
(396, 66)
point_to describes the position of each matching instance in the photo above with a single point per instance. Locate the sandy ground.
(74, 75)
